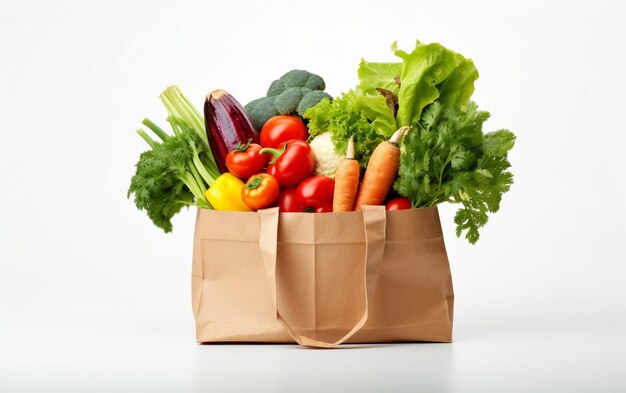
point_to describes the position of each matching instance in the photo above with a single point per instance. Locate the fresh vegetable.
(346, 181)
(227, 125)
(429, 89)
(287, 201)
(310, 99)
(432, 72)
(292, 164)
(447, 158)
(177, 170)
(246, 160)
(280, 129)
(342, 118)
(225, 193)
(400, 203)
(260, 191)
(326, 157)
(375, 76)
(315, 194)
(296, 78)
(390, 95)
(381, 171)
(291, 94)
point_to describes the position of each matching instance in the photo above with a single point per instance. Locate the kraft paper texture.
(321, 279)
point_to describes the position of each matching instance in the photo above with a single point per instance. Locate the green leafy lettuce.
(379, 75)
(343, 118)
(390, 95)
(430, 72)
(447, 158)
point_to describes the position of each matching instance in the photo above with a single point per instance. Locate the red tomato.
(260, 191)
(287, 201)
(246, 160)
(398, 204)
(279, 129)
(316, 194)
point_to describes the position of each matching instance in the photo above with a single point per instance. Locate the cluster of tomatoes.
(279, 171)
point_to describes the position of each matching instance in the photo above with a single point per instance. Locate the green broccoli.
(261, 110)
(311, 99)
(291, 94)
(287, 102)
(301, 78)
(277, 87)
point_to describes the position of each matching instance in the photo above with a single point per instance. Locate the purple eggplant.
(227, 125)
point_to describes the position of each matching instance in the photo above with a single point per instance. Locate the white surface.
(93, 298)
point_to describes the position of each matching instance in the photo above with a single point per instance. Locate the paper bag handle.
(374, 222)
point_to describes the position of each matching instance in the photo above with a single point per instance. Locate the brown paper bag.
(321, 279)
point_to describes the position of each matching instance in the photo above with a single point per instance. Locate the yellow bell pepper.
(225, 193)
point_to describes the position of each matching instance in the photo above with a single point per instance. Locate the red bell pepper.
(292, 164)
(315, 194)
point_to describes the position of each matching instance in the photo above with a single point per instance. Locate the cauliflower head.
(326, 158)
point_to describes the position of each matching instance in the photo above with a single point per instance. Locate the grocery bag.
(321, 279)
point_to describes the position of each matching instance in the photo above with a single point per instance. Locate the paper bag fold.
(273, 277)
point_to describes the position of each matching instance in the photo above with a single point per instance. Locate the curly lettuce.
(445, 157)
(391, 95)
(343, 118)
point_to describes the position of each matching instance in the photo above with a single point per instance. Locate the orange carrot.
(381, 171)
(346, 181)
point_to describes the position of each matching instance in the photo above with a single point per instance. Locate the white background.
(94, 298)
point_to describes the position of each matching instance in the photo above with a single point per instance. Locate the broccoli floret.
(302, 78)
(276, 88)
(262, 110)
(315, 82)
(287, 102)
(249, 107)
(295, 78)
(285, 95)
(311, 99)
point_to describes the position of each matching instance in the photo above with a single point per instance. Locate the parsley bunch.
(446, 157)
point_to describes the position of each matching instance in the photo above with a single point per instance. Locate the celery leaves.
(178, 169)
